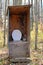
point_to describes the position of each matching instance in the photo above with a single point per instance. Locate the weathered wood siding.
(19, 18)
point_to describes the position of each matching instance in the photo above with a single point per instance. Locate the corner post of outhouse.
(8, 28)
(28, 29)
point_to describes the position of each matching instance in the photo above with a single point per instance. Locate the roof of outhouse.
(18, 9)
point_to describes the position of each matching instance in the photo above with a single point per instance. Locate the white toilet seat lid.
(16, 35)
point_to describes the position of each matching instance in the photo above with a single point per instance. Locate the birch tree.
(36, 23)
(5, 22)
(32, 13)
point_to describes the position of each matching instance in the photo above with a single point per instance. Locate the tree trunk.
(5, 24)
(36, 23)
(32, 13)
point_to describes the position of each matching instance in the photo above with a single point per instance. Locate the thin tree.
(32, 13)
(5, 24)
(36, 23)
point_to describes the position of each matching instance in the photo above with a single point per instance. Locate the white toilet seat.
(16, 35)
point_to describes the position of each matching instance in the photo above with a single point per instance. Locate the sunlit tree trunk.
(41, 16)
(41, 3)
(36, 23)
(32, 13)
(13, 2)
(5, 24)
(8, 2)
(17, 2)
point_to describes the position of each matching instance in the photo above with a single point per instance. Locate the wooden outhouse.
(19, 18)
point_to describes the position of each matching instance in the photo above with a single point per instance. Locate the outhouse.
(19, 31)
